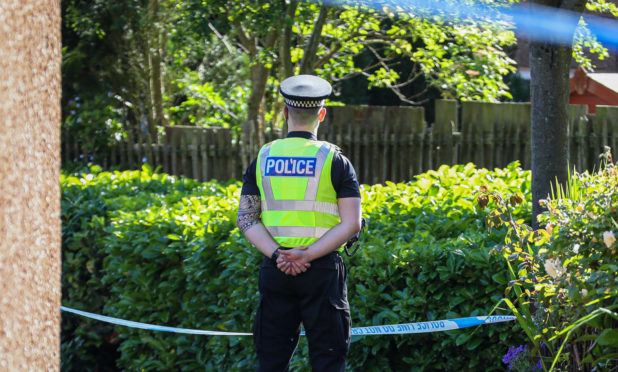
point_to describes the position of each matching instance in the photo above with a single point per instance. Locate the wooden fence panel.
(523, 121)
(579, 144)
(475, 116)
(468, 117)
(414, 125)
(201, 153)
(383, 143)
(608, 116)
(443, 129)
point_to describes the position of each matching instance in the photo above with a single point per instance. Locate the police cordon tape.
(392, 329)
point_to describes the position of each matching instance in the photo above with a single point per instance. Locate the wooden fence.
(383, 143)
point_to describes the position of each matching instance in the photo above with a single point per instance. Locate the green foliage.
(215, 94)
(586, 46)
(89, 200)
(564, 287)
(94, 123)
(423, 259)
(463, 60)
(153, 248)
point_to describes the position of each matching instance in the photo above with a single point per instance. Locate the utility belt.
(348, 245)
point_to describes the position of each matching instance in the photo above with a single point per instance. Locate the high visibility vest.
(299, 202)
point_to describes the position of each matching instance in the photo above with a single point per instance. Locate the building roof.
(601, 84)
(610, 80)
(593, 89)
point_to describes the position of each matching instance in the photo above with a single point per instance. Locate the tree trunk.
(146, 115)
(253, 129)
(286, 39)
(157, 79)
(307, 64)
(549, 94)
(549, 91)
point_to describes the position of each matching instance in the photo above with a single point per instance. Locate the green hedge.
(153, 248)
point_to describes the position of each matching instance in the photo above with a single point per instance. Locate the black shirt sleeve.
(343, 177)
(249, 186)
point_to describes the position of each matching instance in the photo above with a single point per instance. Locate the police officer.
(300, 203)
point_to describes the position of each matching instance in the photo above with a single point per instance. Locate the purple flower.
(512, 354)
(538, 366)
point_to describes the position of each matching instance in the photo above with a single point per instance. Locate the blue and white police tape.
(151, 327)
(431, 326)
(392, 329)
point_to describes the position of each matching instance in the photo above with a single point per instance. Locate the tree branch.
(395, 88)
(245, 42)
(271, 38)
(306, 64)
(286, 37)
(227, 45)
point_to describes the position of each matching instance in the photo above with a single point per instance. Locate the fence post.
(351, 145)
(415, 123)
(446, 123)
(524, 135)
(609, 116)
(499, 131)
(578, 138)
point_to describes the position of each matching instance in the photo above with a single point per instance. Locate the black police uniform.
(317, 297)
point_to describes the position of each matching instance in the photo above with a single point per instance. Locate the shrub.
(565, 283)
(149, 247)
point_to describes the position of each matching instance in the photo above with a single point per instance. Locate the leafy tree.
(462, 60)
(128, 54)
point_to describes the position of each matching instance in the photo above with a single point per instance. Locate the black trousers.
(318, 299)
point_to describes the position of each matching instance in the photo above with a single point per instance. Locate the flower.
(538, 366)
(512, 353)
(576, 248)
(609, 238)
(553, 268)
(482, 201)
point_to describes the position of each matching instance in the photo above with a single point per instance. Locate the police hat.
(305, 91)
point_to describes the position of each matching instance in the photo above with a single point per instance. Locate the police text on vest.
(290, 166)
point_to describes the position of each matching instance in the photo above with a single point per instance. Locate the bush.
(565, 281)
(152, 248)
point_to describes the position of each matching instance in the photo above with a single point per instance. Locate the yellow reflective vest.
(299, 202)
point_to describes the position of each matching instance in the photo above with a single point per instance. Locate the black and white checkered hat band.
(304, 104)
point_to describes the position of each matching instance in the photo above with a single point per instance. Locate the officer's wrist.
(275, 255)
(310, 254)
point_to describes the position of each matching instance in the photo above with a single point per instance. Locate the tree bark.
(286, 39)
(307, 64)
(253, 128)
(156, 75)
(259, 78)
(549, 92)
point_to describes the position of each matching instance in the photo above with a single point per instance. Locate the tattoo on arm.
(249, 211)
